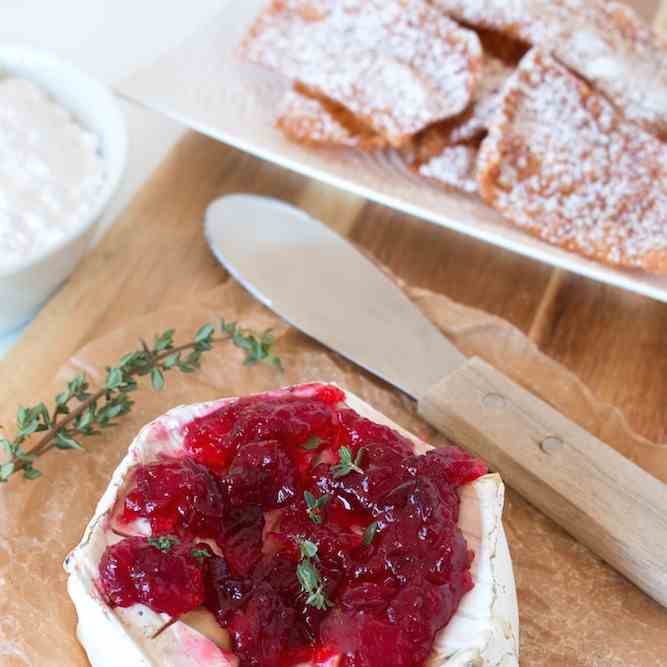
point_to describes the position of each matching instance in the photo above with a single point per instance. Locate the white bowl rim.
(113, 177)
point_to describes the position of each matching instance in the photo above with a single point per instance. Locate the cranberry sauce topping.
(163, 574)
(329, 535)
(194, 511)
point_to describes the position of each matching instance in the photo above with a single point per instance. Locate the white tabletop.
(109, 39)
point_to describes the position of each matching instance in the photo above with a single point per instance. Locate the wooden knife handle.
(601, 498)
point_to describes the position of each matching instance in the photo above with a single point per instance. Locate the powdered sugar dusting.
(399, 66)
(446, 152)
(472, 125)
(562, 162)
(455, 167)
(310, 119)
(475, 122)
(305, 120)
(606, 42)
(9, 647)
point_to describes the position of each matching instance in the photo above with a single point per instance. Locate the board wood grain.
(156, 254)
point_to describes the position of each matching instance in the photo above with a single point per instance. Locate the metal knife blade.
(321, 284)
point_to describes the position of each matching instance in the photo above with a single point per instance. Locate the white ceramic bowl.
(25, 287)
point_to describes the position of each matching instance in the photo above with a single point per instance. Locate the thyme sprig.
(309, 577)
(78, 411)
(256, 348)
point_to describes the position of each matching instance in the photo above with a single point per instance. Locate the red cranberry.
(447, 466)
(167, 581)
(383, 644)
(364, 432)
(260, 631)
(325, 393)
(279, 570)
(241, 542)
(206, 437)
(368, 640)
(343, 631)
(367, 596)
(177, 496)
(262, 473)
(224, 593)
(289, 417)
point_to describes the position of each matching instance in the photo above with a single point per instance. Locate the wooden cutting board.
(155, 254)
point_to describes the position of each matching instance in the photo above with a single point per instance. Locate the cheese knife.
(319, 283)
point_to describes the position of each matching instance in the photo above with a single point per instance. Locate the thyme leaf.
(163, 543)
(257, 348)
(347, 464)
(308, 549)
(309, 577)
(369, 533)
(314, 506)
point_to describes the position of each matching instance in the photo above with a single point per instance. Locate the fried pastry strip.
(311, 119)
(397, 66)
(562, 163)
(607, 43)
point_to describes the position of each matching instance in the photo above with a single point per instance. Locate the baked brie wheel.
(161, 630)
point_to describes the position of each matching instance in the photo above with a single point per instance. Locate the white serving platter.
(203, 84)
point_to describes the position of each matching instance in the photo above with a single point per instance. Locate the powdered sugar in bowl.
(62, 155)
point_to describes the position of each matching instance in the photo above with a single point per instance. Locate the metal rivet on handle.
(551, 444)
(494, 401)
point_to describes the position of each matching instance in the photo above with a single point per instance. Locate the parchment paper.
(575, 611)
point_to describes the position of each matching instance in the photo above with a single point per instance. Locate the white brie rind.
(484, 632)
